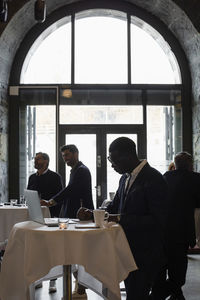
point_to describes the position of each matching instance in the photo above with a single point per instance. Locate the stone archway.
(23, 20)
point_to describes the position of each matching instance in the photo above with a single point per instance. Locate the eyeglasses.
(119, 160)
(109, 159)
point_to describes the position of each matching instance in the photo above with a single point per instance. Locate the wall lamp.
(40, 10)
(3, 11)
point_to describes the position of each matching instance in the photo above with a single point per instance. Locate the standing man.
(142, 204)
(184, 197)
(47, 183)
(78, 193)
(79, 189)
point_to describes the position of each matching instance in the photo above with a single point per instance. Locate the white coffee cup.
(13, 202)
(99, 216)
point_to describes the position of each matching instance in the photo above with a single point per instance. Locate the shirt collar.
(42, 173)
(137, 170)
(75, 166)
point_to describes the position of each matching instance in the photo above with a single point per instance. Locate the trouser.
(172, 277)
(137, 286)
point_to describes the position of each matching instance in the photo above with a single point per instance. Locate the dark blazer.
(47, 185)
(144, 214)
(184, 197)
(78, 191)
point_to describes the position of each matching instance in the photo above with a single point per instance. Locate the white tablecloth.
(34, 249)
(10, 215)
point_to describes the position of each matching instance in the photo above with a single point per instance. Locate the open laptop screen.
(35, 210)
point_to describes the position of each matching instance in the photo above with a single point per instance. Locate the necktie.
(124, 193)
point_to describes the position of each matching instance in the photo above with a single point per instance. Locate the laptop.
(35, 211)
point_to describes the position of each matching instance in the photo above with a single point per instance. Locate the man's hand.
(84, 214)
(44, 203)
(114, 218)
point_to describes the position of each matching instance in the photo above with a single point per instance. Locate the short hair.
(183, 161)
(72, 148)
(171, 166)
(123, 145)
(44, 155)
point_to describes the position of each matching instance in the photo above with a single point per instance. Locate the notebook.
(35, 210)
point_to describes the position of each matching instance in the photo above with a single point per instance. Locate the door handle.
(98, 161)
(98, 187)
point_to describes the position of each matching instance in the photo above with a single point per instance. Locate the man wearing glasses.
(141, 201)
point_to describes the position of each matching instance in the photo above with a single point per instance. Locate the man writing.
(142, 204)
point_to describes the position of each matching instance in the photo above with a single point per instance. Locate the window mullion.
(72, 48)
(129, 48)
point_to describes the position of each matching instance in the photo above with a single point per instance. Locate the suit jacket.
(143, 216)
(47, 185)
(184, 197)
(78, 190)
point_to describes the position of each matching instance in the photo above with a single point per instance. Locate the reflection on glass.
(40, 137)
(98, 114)
(49, 58)
(86, 144)
(100, 50)
(112, 176)
(160, 136)
(152, 60)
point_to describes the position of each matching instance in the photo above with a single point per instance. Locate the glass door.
(93, 144)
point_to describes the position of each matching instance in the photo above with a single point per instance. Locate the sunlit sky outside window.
(100, 54)
(149, 63)
(49, 59)
(100, 50)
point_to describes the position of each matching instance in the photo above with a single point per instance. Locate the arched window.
(101, 52)
(90, 75)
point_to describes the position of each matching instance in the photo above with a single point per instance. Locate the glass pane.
(100, 48)
(160, 136)
(49, 58)
(112, 176)
(87, 154)
(37, 134)
(100, 97)
(101, 114)
(152, 60)
(164, 97)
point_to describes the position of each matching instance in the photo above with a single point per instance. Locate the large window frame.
(71, 9)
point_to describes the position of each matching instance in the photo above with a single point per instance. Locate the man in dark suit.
(78, 191)
(141, 201)
(184, 197)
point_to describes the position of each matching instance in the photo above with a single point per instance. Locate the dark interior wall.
(21, 19)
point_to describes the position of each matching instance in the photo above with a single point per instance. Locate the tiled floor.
(191, 288)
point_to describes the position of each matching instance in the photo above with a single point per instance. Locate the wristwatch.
(51, 202)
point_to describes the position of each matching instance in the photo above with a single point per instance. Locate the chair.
(54, 273)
